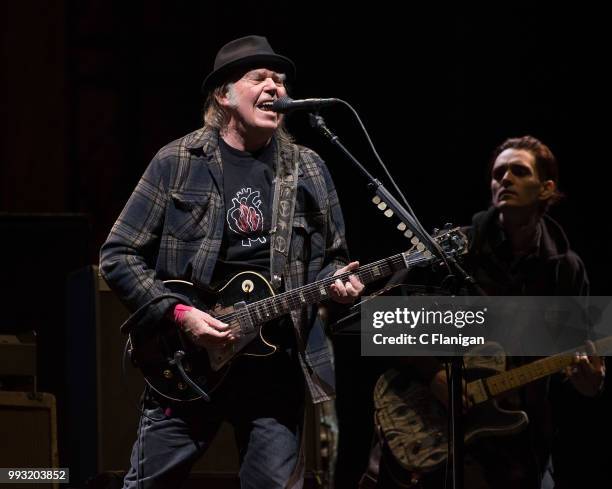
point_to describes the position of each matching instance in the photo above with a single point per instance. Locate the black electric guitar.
(178, 370)
(415, 425)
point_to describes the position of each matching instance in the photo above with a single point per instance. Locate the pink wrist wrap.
(179, 312)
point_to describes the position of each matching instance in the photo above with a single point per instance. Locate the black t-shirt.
(247, 184)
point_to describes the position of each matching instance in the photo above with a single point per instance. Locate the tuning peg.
(402, 226)
(388, 213)
(382, 206)
(408, 233)
(420, 247)
(414, 240)
(376, 199)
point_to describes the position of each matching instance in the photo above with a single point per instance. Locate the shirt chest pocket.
(308, 239)
(188, 216)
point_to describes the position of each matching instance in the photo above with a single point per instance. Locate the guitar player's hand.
(203, 329)
(588, 372)
(439, 389)
(346, 292)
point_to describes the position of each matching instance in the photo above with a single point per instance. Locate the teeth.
(265, 106)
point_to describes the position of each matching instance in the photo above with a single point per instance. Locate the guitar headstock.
(452, 240)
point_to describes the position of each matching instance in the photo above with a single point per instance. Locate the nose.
(270, 85)
(507, 178)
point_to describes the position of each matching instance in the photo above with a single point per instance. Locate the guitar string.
(542, 368)
(291, 300)
(291, 297)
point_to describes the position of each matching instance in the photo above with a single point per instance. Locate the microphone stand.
(455, 382)
(318, 122)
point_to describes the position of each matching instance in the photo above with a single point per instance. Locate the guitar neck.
(517, 377)
(281, 304)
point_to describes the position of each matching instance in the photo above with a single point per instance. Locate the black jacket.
(552, 268)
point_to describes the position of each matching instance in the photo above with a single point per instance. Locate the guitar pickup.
(244, 318)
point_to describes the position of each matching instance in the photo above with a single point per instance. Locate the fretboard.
(285, 302)
(517, 377)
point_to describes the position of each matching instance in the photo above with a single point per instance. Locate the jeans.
(263, 398)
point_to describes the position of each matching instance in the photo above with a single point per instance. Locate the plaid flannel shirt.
(173, 224)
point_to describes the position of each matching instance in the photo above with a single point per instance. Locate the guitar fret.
(527, 373)
(267, 309)
(247, 315)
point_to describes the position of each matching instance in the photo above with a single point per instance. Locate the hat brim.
(271, 61)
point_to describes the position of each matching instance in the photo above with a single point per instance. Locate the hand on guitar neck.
(588, 372)
(346, 292)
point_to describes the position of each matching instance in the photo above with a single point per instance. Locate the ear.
(547, 190)
(224, 99)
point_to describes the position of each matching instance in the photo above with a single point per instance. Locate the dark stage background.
(92, 89)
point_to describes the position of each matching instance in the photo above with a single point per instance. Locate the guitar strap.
(283, 206)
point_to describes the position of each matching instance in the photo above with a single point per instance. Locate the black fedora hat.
(246, 53)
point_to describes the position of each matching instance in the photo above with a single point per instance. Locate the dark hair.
(545, 161)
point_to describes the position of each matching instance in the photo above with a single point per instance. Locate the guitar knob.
(181, 386)
(168, 374)
(187, 367)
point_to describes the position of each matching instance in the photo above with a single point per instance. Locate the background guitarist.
(203, 211)
(517, 249)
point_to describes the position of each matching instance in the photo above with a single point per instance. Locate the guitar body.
(415, 425)
(178, 370)
(153, 348)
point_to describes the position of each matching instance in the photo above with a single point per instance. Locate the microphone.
(287, 104)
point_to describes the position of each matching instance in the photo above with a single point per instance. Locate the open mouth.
(265, 106)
